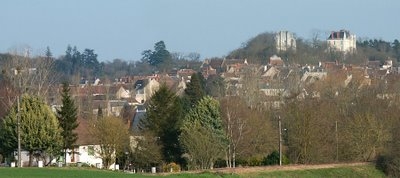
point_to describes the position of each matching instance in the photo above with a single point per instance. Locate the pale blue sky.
(213, 28)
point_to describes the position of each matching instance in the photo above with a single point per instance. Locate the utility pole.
(280, 140)
(19, 121)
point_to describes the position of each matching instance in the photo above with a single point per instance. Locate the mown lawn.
(91, 173)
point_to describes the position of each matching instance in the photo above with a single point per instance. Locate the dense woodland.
(206, 127)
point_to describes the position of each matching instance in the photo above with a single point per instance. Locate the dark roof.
(139, 115)
(216, 63)
(139, 84)
(339, 35)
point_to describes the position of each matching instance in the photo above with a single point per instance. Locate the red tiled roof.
(84, 137)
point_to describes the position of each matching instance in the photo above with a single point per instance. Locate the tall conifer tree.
(67, 117)
(163, 119)
(195, 90)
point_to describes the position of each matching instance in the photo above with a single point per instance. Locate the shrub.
(171, 166)
(255, 161)
(389, 165)
(241, 162)
(219, 163)
(273, 159)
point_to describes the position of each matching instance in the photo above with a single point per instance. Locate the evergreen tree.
(195, 90)
(163, 119)
(39, 128)
(159, 58)
(49, 55)
(67, 117)
(215, 86)
(203, 137)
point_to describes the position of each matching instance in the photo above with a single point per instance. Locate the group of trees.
(77, 64)
(185, 137)
(199, 131)
(340, 124)
(38, 128)
(42, 133)
(379, 50)
(159, 58)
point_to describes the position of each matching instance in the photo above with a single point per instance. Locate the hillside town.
(265, 89)
(273, 83)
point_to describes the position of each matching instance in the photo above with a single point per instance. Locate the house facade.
(145, 88)
(342, 41)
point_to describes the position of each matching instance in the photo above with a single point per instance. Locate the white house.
(145, 88)
(88, 154)
(123, 93)
(342, 41)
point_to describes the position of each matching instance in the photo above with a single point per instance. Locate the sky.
(124, 28)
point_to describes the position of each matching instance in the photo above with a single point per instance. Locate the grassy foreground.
(351, 171)
(92, 173)
(348, 171)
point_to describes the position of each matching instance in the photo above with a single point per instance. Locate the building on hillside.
(342, 41)
(276, 61)
(140, 113)
(123, 93)
(284, 41)
(211, 67)
(234, 65)
(145, 88)
(185, 74)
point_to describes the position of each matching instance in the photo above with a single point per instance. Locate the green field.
(89, 173)
(352, 171)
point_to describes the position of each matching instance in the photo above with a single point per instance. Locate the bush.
(255, 161)
(220, 163)
(72, 165)
(389, 165)
(273, 159)
(241, 162)
(171, 166)
(382, 163)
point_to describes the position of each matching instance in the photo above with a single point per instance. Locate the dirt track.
(241, 170)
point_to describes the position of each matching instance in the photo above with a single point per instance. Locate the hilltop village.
(325, 93)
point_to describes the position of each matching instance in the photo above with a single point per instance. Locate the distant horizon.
(123, 29)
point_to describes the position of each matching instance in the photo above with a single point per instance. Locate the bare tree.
(112, 135)
(235, 122)
(34, 76)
